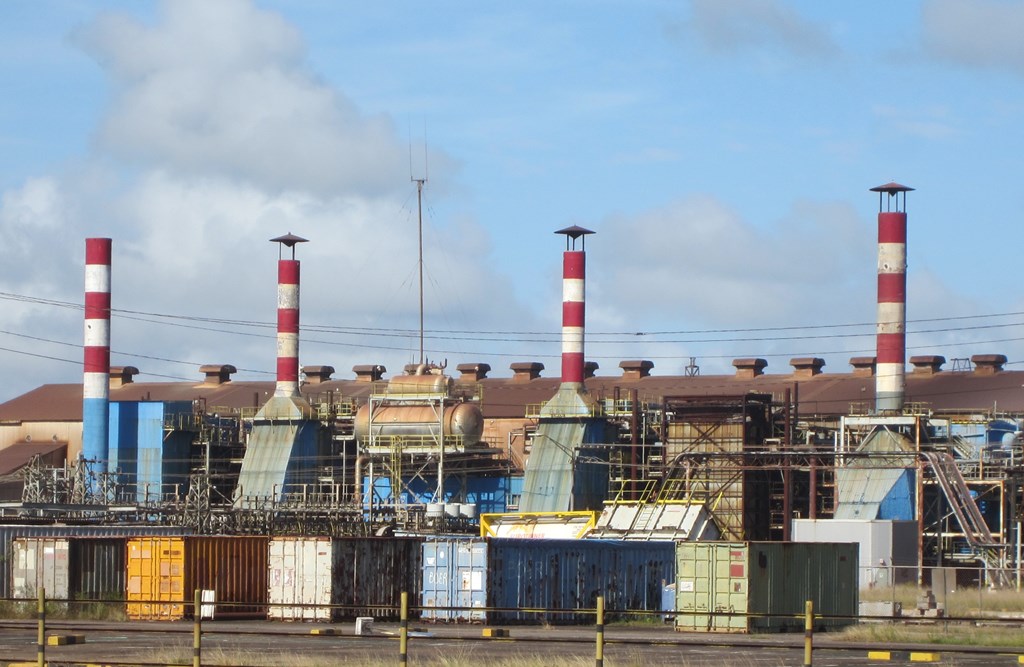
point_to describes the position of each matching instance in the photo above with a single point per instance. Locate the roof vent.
(524, 371)
(217, 373)
(927, 364)
(863, 366)
(122, 375)
(590, 369)
(749, 368)
(473, 372)
(317, 374)
(369, 372)
(805, 367)
(635, 369)
(988, 364)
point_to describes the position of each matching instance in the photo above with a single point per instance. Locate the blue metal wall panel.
(898, 504)
(123, 450)
(454, 583)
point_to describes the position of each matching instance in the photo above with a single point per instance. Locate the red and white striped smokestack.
(890, 380)
(574, 266)
(96, 378)
(288, 319)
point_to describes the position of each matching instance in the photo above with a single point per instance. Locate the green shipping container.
(764, 586)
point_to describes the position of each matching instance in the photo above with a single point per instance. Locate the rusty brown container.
(165, 572)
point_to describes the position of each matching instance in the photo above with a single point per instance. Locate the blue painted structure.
(490, 494)
(95, 416)
(148, 460)
(898, 503)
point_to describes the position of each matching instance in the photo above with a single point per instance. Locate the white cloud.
(739, 25)
(222, 88)
(980, 33)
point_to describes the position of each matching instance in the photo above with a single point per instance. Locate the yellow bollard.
(41, 636)
(808, 632)
(403, 637)
(197, 630)
(599, 662)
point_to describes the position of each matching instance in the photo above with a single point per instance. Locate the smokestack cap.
(574, 232)
(891, 188)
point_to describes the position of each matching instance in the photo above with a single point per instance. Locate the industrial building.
(427, 450)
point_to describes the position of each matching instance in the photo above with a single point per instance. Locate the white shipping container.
(888, 549)
(300, 578)
(40, 562)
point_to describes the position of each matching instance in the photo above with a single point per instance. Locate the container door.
(732, 592)
(53, 565)
(23, 570)
(711, 580)
(156, 578)
(436, 580)
(471, 574)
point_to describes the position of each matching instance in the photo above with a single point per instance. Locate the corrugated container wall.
(75, 568)
(533, 574)
(764, 586)
(11, 532)
(299, 581)
(164, 572)
(40, 562)
(333, 578)
(372, 573)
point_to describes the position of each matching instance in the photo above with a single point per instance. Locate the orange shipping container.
(164, 573)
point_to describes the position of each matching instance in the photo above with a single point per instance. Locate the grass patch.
(942, 633)
(963, 603)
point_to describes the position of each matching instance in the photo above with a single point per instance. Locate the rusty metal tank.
(422, 421)
(426, 384)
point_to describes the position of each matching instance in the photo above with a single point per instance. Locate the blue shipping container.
(495, 579)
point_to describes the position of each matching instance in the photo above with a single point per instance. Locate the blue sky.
(721, 149)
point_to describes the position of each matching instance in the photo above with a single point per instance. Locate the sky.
(721, 150)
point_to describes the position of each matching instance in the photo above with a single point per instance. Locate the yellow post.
(403, 637)
(808, 632)
(197, 630)
(599, 662)
(41, 636)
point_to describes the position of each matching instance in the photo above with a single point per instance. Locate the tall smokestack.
(574, 265)
(288, 319)
(891, 343)
(96, 379)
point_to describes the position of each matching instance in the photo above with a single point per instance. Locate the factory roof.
(985, 387)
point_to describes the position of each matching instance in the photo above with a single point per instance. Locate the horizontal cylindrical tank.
(402, 385)
(464, 420)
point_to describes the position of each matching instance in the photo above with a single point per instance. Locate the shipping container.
(500, 580)
(888, 549)
(88, 570)
(764, 586)
(344, 577)
(165, 572)
(40, 562)
(9, 533)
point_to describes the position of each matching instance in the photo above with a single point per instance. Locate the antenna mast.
(419, 209)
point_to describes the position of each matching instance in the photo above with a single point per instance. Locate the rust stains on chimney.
(369, 372)
(927, 364)
(636, 369)
(864, 366)
(749, 368)
(524, 371)
(805, 367)
(317, 374)
(988, 364)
